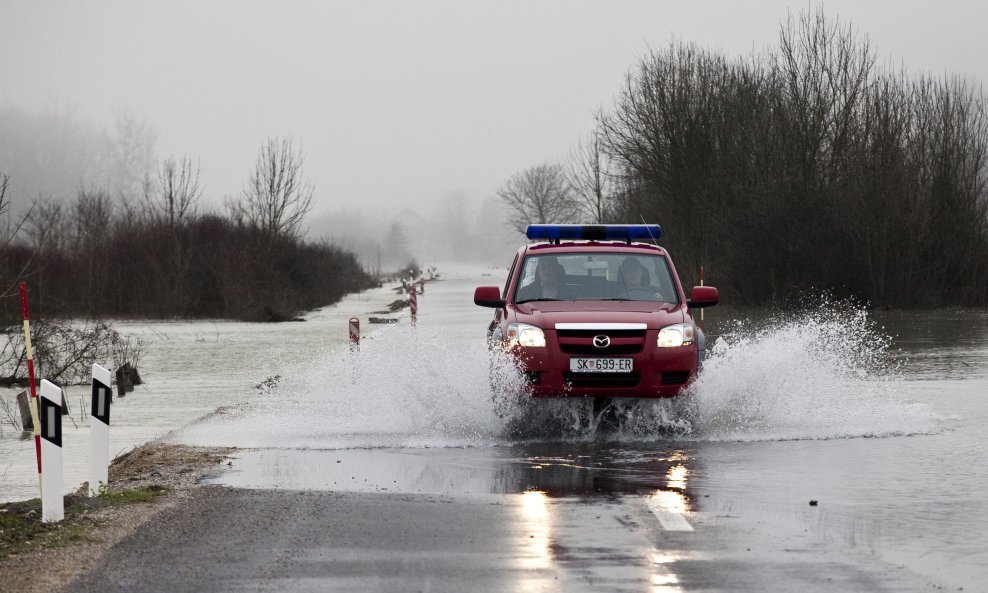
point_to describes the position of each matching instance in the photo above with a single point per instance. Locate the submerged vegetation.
(148, 251)
(153, 253)
(807, 166)
(207, 267)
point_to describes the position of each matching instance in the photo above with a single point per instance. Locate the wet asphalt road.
(546, 527)
(251, 540)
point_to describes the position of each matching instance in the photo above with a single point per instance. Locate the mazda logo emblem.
(601, 341)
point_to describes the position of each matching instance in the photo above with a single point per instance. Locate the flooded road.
(875, 418)
(190, 370)
(829, 451)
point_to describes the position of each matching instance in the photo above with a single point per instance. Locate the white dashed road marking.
(670, 521)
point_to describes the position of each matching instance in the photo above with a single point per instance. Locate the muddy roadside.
(36, 557)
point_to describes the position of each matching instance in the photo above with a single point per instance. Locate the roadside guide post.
(701, 310)
(99, 430)
(50, 411)
(413, 304)
(30, 379)
(354, 334)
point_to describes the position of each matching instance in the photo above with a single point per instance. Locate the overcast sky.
(401, 102)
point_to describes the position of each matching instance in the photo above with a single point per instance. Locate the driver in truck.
(634, 279)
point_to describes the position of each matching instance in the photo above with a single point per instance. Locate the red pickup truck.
(595, 311)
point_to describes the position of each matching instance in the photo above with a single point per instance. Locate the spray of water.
(407, 387)
(825, 373)
(822, 374)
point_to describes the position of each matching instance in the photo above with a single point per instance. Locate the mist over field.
(759, 137)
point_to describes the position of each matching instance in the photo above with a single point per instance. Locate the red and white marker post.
(50, 411)
(31, 385)
(354, 334)
(413, 304)
(701, 310)
(99, 430)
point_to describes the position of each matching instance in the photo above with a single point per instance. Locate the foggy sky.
(401, 103)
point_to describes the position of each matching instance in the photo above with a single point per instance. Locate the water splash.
(407, 387)
(823, 374)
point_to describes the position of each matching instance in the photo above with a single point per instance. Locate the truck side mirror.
(488, 296)
(703, 296)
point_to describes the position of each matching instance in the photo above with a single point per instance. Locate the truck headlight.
(523, 334)
(672, 336)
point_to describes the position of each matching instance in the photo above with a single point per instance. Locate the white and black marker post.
(50, 413)
(99, 430)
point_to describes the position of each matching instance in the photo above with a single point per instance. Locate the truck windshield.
(596, 277)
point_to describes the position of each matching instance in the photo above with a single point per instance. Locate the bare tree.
(397, 244)
(10, 226)
(172, 193)
(590, 180)
(127, 156)
(452, 222)
(45, 226)
(538, 195)
(826, 69)
(4, 182)
(47, 151)
(170, 198)
(842, 173)
(65, 350)
(92, 215)
(276, 198)
(4, 204)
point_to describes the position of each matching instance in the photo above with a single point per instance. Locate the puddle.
(556, 470)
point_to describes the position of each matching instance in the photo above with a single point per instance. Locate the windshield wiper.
(530, 300)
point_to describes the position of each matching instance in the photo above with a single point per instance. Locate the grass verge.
(22, 531)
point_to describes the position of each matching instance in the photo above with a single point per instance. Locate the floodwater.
(877, 418)
(191, 370)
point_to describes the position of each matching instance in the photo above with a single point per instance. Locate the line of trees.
(97, 256)
(808, 166)
(53, 152)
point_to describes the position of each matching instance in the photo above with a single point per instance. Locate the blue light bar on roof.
(595, 232)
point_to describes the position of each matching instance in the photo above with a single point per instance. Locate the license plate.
(600, 365)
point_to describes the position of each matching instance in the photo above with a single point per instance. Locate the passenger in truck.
(549, 283)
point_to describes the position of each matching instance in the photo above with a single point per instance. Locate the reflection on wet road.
(580, 514)
(555, 469)
(565, 517)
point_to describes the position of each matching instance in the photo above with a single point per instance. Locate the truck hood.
(546, 314)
